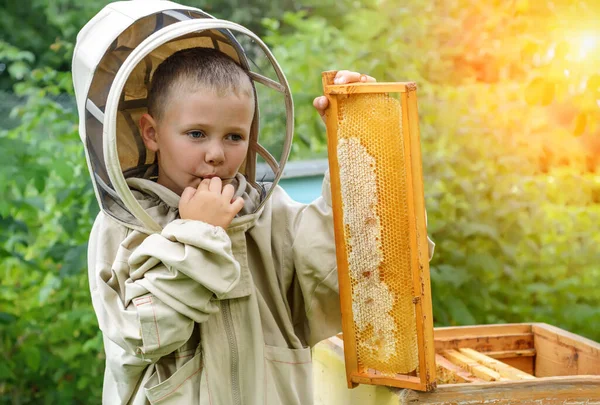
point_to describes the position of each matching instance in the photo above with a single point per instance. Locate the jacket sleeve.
(313, 252)
(148, 295)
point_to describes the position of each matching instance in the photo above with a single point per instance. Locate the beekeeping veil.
(115, 56)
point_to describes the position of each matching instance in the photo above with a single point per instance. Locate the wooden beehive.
(515, 364)
(520, 364)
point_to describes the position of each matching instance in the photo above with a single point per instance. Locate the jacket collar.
(152, 194)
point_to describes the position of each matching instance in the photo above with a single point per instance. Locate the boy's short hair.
(189, 69)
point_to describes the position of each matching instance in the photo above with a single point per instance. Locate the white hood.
(115, 56)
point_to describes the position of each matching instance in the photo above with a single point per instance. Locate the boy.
(222, 305)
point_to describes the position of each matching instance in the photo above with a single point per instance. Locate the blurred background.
(509, 99)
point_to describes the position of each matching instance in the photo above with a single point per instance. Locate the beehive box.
(522, 364)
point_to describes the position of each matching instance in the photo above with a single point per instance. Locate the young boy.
(223, 305)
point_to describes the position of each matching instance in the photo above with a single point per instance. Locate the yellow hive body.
(373, 187)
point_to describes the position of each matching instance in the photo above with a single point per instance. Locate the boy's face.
(200, 135)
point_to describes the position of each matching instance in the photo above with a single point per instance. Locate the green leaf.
(50, 284)
(450, 275)
(474, 229)
(33, 357)
(459, 312)
(7, 371)
(18, 70)
(6, 318)
(74, 261)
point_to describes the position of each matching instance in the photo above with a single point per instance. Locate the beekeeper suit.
(191, 313)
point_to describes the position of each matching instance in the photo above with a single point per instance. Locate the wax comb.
(380, 233)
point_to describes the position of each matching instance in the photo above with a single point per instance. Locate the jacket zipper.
(228, 324)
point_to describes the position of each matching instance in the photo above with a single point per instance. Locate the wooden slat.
(523, 360)
(474, 368)
(418, 239)
(489, 343)
(481, 330)
(450, 373)
(503, 369)
(525, 364)
(561, 353)
(513, 343)
(503, 354)
(345, 288)
(564, 338)
(399, 381)
(582, 390)
(362, 88)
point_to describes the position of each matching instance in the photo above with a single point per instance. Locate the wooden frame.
(419, 245)
(357, 88)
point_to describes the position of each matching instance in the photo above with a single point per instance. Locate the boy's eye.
(196, 134)
(235, 137)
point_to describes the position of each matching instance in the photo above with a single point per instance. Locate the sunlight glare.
(587, 45)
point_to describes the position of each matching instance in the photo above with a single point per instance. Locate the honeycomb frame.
(382, 257)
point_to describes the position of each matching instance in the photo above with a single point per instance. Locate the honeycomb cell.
(373, 184)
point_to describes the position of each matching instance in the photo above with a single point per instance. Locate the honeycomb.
(373, 184)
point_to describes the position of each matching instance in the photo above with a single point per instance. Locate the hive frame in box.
(425, 381)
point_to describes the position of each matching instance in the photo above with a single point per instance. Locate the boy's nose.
(215, 154)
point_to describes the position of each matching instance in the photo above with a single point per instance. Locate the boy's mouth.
(210, 176)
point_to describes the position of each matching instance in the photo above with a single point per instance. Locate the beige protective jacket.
(199, 315)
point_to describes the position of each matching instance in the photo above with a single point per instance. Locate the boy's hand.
(342, 77)
(210, 202)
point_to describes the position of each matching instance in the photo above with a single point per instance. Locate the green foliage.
(510, 153)
(301, 56)
(512, 195)
(513, 245)
(47, 28)
(51, 346)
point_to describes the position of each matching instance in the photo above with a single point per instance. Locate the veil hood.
(114, 59)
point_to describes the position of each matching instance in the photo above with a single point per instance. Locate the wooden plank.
(563, 337)
(525, 364)
(487, 343)
(474, 368)
(523, 360)
(449, 373)
(399, 380)
(561, 353)
(481, 330)
(503, 369)
(418, 239)
(362, 88)
(345, 288)
(503, 354)
(425, 304)
(582, 390)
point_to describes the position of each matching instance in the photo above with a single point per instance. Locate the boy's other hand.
(210, 202)
(342, 77)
